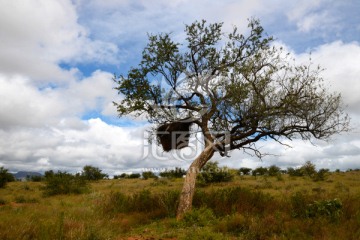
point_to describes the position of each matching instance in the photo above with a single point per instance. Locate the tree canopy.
(236, 89)
(232, 84)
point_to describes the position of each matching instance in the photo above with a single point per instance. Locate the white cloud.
(340, 61)
(42, 105)
(99, 144)
(38, 35)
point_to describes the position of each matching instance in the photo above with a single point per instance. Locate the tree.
(92, 173)
(234, 89)
(244, 171)
(148, 174)
(260, 171)
(274, 170)
(308, 169)
(5, 177)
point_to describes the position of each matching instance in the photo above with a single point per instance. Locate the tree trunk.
(188, 189)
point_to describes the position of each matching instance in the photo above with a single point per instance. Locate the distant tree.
(93, 173)
(235, 90)
(134, 175)
(124, 175)
(5, 177)
(245, 171)
(274, 171)
(173, 173)
(36, 178)
(321, 175)
(148, 174)
(295, 172)
(260, 171)
(48, 174)
(308, 169)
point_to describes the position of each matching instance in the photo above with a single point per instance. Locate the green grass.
(245, 208)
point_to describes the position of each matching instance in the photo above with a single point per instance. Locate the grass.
(245, 208)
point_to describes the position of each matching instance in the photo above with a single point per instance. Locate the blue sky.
(57, 59)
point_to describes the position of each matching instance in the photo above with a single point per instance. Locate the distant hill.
(23, 174)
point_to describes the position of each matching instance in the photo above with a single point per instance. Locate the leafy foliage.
(327, 208)
(5, 177)
(64, 183)
(148, 174)
(274, 171)
(212, 173)
(260, 171)
(245, 171)
(93, 173)
(237, 89)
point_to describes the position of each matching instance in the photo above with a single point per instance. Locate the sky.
(58, 57)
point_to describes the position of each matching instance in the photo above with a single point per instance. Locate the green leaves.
(230, 82)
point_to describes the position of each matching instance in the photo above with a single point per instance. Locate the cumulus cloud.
(55, 118)
(97, 143)
(38, 35)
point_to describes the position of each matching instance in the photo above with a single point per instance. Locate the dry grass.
(26, 214)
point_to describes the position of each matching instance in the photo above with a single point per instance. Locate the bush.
(161, 204)
(148, 174)
(320, 175)
(177, 173)
(274, 171)
(260, 171)
(308, 169)
(229, 200)
(199, 217)
(326, 208)
(93, 173)
(64, 183)
(294, 172)
(134, 175)
(211, 173)
(5, 177)
(35, 178)
(244, 171)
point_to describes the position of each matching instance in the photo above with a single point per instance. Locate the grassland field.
(248, 207)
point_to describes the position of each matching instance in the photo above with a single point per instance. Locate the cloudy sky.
(57, 59)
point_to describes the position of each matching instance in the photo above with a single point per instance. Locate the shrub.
(229, 200)
(320, 175)
(235, 223)
(35, 178)
(295, 172)
(64, 183)
(244, 171)
(5, 177)
(177, 173)
(260, 171)
(93, 173)
(326, 208)
(308, 169)
(211, 173)
(148, 174)
(274, 171)
(199, 217)
(162, 204)
(134, 175)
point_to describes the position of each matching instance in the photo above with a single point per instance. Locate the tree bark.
(188, 190)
